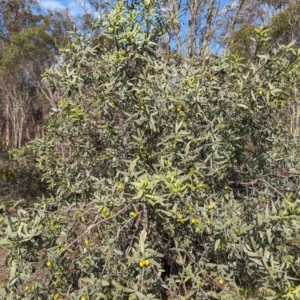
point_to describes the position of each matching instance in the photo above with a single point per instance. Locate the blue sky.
(62, 4)
(72, 5)
(75, 9)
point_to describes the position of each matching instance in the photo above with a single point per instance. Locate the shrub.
(19, 178)
(170, 179)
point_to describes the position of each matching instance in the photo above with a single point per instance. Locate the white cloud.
(50, 4)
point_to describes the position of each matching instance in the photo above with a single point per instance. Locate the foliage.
(285, 25)
(169, 181)
(242, 41)
(7, 173)
(19, 178)
(282, 28)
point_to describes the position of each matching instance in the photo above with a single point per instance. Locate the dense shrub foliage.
(170, 179)
(19, 178)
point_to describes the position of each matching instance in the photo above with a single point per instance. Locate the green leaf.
(139, 195)
(143, 236)
(105, 282)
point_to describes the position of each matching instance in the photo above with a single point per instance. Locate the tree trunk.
(6, 116)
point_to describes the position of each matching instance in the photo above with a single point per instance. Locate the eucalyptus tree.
(280, 19)
(29, 43)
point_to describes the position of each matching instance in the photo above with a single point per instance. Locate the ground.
(3, 270)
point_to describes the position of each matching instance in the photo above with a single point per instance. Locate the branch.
(95, 225)
(250, 183)
(255, 182)
(272, 187)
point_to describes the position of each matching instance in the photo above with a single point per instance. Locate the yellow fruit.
(146, 263)
(260, 92)
(107, 214)
(49, 264)
(209, 206)
(56, 296)
(26, 288)
(61, 248)
(194, 221)
(141, 264)
(208, 222)
(83, 298)
(133, 214)
(86, 242)
(120, 187)
(221, 281)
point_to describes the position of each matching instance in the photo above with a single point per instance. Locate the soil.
(4, 272)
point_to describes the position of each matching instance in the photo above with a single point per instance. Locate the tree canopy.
(29, 44)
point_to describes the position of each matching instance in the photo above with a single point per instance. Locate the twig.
(272, 187)
(70, 286)
(112, 247)
(256, 181)
(192, 259)
(95, 225)
(285, 175)
(145, 217)
(160, 279)
(204, 293)
(142, 280)
(250, 183)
